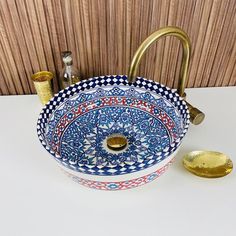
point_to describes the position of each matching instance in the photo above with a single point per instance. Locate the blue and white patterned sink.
(75, 124)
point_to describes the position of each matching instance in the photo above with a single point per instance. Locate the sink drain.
(116, 142)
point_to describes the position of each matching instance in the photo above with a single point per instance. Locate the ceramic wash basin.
(76, 125)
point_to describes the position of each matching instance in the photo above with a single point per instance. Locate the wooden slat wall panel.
(104, 34)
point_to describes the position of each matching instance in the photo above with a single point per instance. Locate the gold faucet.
(196, 116)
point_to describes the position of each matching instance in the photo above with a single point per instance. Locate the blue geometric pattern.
(83, 140)
(117, 91)
(82, 143)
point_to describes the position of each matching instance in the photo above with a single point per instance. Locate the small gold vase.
(42, 83)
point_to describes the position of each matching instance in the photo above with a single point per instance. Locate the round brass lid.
(116, 142)
(208, 164)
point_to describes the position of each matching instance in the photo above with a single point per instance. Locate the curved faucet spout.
(196, 116)
(167, 31)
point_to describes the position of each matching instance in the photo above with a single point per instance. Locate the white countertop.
(36, 198)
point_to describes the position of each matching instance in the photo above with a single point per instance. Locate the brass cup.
(42, 84)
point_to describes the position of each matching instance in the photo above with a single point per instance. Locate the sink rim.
(72, 90)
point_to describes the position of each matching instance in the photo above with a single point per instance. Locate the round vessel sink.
(108, 134)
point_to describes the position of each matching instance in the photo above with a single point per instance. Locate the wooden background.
(104, 34)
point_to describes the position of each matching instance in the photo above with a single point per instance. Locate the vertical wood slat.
(227, 61)
(12, 62)
(103, 36)
(160, 52)
(209, 38)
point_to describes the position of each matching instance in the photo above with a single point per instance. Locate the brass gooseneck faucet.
(196, 116)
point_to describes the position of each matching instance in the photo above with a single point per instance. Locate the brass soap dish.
(208, 164)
